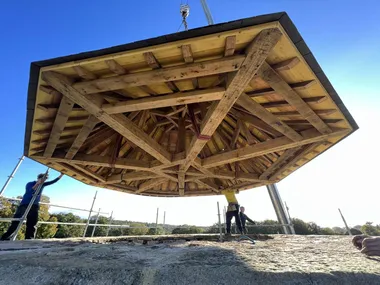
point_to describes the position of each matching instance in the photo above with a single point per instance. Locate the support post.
(156, 221)
(224, 219)
(291, 226)
(10, 177)
(109, 227)
(279, 207)
(89, 215)
(220, 224)
(345, 223)
(163, 225)
(36, 193)
(96, 221)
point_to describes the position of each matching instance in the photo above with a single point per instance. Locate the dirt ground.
(282, 260)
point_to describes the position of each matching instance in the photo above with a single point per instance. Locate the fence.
(91, 211)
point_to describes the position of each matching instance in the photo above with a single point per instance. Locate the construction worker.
(232, 211)
(32, 218)
(244, 218)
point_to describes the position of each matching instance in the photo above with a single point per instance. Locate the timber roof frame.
(282, 18)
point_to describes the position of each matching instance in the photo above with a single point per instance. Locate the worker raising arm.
(232, 210)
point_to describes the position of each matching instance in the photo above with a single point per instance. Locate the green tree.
(313, 228)
(338, 230)
(370, 229)
(7, 210)
(65, 231)
(186, 229)
(159, 231)
(326, 231)
(136, 229)
(99, 231)
(45, 230)
(300, 227)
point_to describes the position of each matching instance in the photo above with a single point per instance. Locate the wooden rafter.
(281, 160)
(131, 176)
(262, 113)
(150, 184)
(267, 73)
(175, 99)
(266, 147)
(118, 122)
(61, 118)
(256, 54)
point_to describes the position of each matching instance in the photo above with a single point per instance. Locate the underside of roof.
(231, 106)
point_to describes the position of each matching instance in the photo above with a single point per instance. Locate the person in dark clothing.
(32, 218)
(244, 218)
(232, 211)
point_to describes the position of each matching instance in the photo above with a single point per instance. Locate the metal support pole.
(36, 193)
(291, 226)
(224, 219)
(163, 225)
(220, 224)
(108, 229)
(278, 207)
(89, 215)
(207, 12)
(156, 221)
(96, 221)
(10, 177)
(345, 223)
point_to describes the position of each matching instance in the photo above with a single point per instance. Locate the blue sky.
(344, 36)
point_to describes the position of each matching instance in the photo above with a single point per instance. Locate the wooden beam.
(325, 112)
(150, 184)
(270, 146)
(45, 121)
(61, 140)
(305, 122)
(235, 135)
(181, 183)
(281, 160)
(131, 176)
(115, 67)
(269, 91)
(88, 172)
(60, 121)
(254, 121)
(286, 64)
(79, 172)
(175, 99)
(267, 73)
(187, 53)
(229, 46)
(47, 131)
(84, 73)
(82, 136)
(256, 109)
(277, 104)
(256, 54)
(246, 132)
(187, 71)
(207, 184)
(119, 122)
(294, 160)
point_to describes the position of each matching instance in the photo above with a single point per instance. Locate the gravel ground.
(282, 260)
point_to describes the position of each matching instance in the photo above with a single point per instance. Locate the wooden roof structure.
(235, 106)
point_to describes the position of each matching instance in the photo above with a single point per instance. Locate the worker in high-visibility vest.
(232, 211)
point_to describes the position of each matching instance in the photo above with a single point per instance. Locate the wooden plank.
(84, 73)
(98, 160)
(150, 184)
(45, 141)
(256, 109)
(229, 47)
(154, 64)
(269, 91)
(118, 122)
(277, 104)
(295, 159)
(187, 53)
(44, 121)
(131, 176)
(207, 184)
(181, 72)
(235, 135)
(246, 132)
(305, 122)
(88, 172)
(325, 112)
(267, 73)
(60, 121)
(257, 123)
(181, 135)
(175, 99)
(181, 183)
(270, 146)
(82, 136)
(65, 130)
(286, 64)
(256, 54)
(281, 160)
(49, 90)
(54, 107)
(78, 172)
(115, 67)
